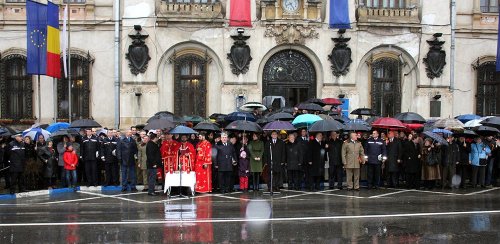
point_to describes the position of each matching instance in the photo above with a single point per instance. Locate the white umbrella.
(475, 122)
(250, 106)
(33, 133)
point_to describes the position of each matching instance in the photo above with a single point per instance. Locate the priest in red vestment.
(203, 166)
(168, 152)
(185, 155)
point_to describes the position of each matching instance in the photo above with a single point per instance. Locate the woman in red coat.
(203, 166)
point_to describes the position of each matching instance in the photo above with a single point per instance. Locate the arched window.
(16, 88)
(190, 85)
(80, 89)
(488, 90)
(386, 86)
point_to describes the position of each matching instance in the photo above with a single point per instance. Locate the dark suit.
(394, 153)
(335, 169)
(226, 154)
(275, 157)
(317, 157)
(411, 163)
(110, 161)
(153, 161)
(304, 144)
(126, 150)
(294, 164)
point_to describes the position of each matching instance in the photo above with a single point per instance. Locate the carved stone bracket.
(340, 56)
(240, 54)
(291, 33)
(435, 59)
(138, 52)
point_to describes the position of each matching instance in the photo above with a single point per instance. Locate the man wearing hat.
(17, 163)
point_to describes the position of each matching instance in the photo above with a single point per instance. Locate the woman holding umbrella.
(431, 158)
(256, 148)
(47, 155)
(203, 165)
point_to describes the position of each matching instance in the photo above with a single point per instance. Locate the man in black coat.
(411, 160)
(126, 151)
(303, 140)
(335, 166)
(226, 159)
(464, 167)
(449, 159)
(110, 160)
(316, 162)
(375, 152)
(275, 157)
(153, 161)
(294, 162)
(17, 159)
(90, 152)
(394, 153)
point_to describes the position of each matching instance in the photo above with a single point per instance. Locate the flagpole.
(69, 60)
(39, 101)
(54, 98)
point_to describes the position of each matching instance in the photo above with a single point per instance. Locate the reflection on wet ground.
(388, 215)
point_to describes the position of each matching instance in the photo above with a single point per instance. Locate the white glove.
(113, 152)
(97, 154)
(102, 158)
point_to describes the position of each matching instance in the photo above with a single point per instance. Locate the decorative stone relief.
(291, 34)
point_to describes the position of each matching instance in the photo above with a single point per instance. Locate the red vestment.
(168, 152)
(203, 174)
(185, 157)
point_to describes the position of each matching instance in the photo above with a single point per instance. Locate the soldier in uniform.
(109, 158)
(375, 154)
(90, 152)
(168, 150)
(17, 160)
(352, 157)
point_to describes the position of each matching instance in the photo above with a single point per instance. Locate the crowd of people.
(225, 162)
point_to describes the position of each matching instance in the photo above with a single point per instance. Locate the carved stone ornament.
(291, 34)
(240, 54)
(340, 56)
(435, 60)
(138, 52)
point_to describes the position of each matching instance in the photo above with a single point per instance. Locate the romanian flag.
(43, 39)
(53, 40)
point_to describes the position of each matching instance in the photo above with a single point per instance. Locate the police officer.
(90, 152)
(17, 163)
(375, 153)
(109, 158)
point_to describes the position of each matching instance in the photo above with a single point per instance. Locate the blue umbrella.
(464, 118)
(240, 116)
(443, 131)
(181, 129)
(34, 133)
(57, 126)
(305, 120)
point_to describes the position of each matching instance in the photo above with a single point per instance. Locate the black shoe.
(356, 189)
(153, 194)
(124, 189)
(145, 190)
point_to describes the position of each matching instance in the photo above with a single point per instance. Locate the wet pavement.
(332, 216)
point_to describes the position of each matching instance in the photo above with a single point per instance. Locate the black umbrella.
(356, 127)
(410, 118)
(492, 122)
(435, 137)
(280, 116)
(486, 130)
(166, 116)
(363, 111)
(326, 125)
(7, 131)
(243, 125)
(206, 126)
(289, 110)
(182, 130)
(466, 133)
(262, 121)
(159, 124)
(64, 132)
(84, 123)
(318, 101)
(240, 116)
(341, 119)
(310, 107)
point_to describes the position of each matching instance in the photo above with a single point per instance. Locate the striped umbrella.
(34, 133)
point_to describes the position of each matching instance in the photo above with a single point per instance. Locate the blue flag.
(36, 21)
(498, 45)
(339, 14)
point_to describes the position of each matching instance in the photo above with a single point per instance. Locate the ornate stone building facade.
(397, 57)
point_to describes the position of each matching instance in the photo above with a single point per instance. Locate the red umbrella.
(414, 126)
(388, 123)
(332, 101)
